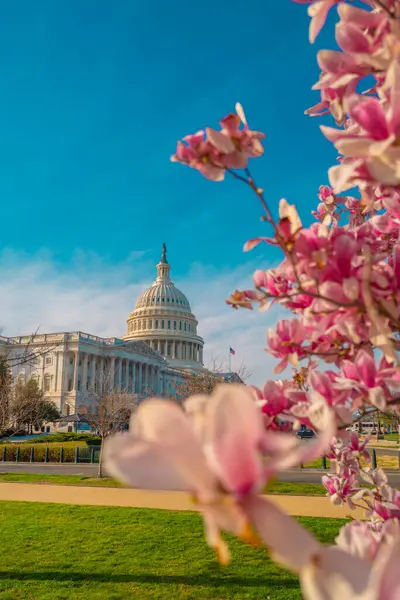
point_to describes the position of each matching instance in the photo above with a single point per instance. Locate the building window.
(189, 326)
(174, 324)
(47, 382)
(162, 348)
(79, 385)
(68, 410)
(180, 324)
(70, 384)
(80, 362)
(88, 384)
(169, 348)
(49, 360)
(71, 361)
(156, 323)
(162, 324)
(184, 326)
(167, 299)
(150, 324)
(169, 324)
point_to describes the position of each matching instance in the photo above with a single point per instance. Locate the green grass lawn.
(59, 552)
(275, 487)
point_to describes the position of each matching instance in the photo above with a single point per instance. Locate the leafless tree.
(216, 365)
(108, 409)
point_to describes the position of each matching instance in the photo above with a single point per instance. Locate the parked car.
(305, 434)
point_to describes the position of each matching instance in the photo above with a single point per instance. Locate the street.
(292, 475)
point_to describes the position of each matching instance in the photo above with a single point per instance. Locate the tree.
(6, 395)
(29, 408)
(108, 410)
(197, 383)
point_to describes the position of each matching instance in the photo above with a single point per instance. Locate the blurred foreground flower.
(219, 452)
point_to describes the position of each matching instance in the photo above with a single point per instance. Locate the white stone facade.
(68, 366)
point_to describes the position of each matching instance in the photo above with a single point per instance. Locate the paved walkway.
(301, 506)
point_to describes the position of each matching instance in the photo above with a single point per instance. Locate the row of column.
(91, 371)
(178, 350)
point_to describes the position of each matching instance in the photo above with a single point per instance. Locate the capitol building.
(160, 348)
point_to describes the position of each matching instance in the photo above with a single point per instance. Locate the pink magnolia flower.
(327, 573)
(372, 382)
(220, 453)
(212, 152)
(372, 144)
(365, 539)
(341, 489)
(286, 342)
(318, 11)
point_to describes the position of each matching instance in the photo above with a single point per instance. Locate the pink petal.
(369, 114)
(233, 433)
(250, 244)
(291, 544)
(318, 13)
(366, 368)
(162, 422)
(220, 141)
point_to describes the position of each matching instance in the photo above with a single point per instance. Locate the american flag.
(232, 351)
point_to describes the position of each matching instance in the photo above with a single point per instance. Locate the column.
(133, 389)
(85, 368)
(119, 375)
(140, 385)
(76, 366)
(158, 372)
(57, 374)
(101, 374)
(112, 373)
(94, 361)
(201, 354)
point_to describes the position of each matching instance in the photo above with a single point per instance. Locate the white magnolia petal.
(195, 408)
(335, 575)
(142, 464)
(291, 544)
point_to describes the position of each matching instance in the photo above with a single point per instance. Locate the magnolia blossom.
(212, 152)
(328, 573)
(219, 452)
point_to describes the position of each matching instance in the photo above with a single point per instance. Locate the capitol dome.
(163, 318)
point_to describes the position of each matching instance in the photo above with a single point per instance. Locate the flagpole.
(229, 359)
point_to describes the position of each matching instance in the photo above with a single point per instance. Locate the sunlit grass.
(59, 552)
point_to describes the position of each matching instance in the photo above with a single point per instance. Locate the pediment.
(140, 347)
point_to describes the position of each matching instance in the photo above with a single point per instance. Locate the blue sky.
(94, 95)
